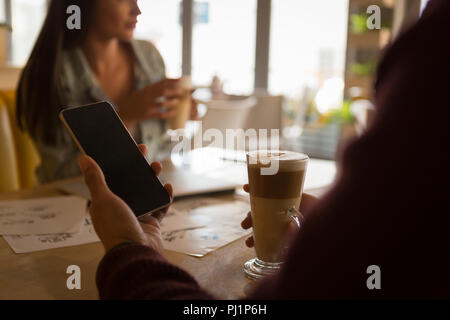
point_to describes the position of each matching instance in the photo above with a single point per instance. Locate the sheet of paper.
(222, 220)
(31, 243)
(199, 242)
(78, 188)
(187, 205)
(229, 213)
(179, 220)
(42, 216)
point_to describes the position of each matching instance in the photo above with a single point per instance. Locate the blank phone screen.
(104, 138)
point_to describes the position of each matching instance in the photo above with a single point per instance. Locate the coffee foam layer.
(287, 160)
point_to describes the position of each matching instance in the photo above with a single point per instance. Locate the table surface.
(42, 275)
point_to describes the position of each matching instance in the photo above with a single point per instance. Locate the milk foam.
(288, 160)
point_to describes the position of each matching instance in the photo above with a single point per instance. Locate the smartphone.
(100, 133)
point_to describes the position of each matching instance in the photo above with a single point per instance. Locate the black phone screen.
(103, 137)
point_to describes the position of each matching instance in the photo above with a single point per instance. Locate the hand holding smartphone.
(99, 132)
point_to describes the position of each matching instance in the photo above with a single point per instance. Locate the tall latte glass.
(276, 184)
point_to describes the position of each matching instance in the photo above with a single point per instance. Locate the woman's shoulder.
(71, 65)
(148, 51)
(150, 60)
(145, 45)
(77, 83)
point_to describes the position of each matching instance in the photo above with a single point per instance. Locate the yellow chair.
(27, 156)
(9, 172)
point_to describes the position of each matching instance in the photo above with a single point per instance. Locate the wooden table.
(42, 275)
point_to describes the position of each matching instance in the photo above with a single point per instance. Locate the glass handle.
(296, 216)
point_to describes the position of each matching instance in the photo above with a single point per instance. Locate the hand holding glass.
(274, 201)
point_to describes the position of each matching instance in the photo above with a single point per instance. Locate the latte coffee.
(271, 197)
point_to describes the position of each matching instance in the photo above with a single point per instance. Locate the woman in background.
(101, 61)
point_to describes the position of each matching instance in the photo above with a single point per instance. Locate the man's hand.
(307, 201)
(113, 220)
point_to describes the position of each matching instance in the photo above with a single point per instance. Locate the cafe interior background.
(303, 67)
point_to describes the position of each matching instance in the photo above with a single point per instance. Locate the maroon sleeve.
(133, 271)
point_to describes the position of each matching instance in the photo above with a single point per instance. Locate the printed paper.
(31, 243)
(223, 226)
(42, 216)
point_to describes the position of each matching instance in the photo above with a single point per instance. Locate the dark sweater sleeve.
(133, 271)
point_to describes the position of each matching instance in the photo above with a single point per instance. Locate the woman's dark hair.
(38, 99)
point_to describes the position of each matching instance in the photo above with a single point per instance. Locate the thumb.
(93, 176)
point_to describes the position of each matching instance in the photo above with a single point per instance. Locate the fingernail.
(84, 163)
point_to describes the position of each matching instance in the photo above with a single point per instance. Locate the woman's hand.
(157, 100)
(113, 220)
(307, 201)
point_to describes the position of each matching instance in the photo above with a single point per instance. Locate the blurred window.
(223, 43)
(2, 12)
(308, 43)
(27, 17)
(160, 24)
